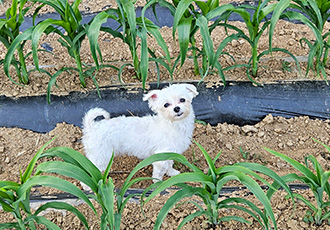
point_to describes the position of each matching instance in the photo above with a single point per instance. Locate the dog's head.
(173, 102)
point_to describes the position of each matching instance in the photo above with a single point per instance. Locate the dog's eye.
(182, 100)
(166, 105)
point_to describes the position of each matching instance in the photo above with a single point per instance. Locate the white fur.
(170, 130)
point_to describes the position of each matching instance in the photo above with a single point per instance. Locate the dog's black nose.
(177, 109)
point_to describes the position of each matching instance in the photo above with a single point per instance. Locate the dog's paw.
(85, 187)
(172, 172)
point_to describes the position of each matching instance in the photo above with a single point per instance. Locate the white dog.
(170, 130)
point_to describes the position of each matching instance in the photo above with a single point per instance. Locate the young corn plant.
(187, 21)
(72, 33)
(77, 166)
(314, 14)
(131, 27)
(256, 28)
(317, 181)
(9, 31)
(211, 185)
(15, 198)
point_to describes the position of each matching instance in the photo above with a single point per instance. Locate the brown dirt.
(290, 136)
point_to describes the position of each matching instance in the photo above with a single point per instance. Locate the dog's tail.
(92, 114)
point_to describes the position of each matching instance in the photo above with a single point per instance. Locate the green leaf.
(106, 191)
(39, 30)
(227, 203)
(325, 178)
(181, 178)
(93, 34)
(29, 169)
(306, 201)
(42, 220)
(74, 157)
(203, 6)
(266, 52)
(159, 157)
(69, 170)
(63, 206)
(191, 217)
(253, 186)
(178, 17)
(5, 206)
(183, 36)
(207, 41)
(9, 225)
(144, 63)
(216, 12)
(280, 7)
(270, 173)
(160, 41)
(54, 182)
(9, 185)
(26, 35)
(297, 16)
(179, 195)
(209, 161)
(53, 78)
(301, 168)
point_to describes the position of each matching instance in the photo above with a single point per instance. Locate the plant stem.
(24, 78)
(117, 221)
(254, 60)
(79, 66)
(326, 53)
(193, 43)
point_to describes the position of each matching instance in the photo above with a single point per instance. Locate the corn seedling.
(14, 198)
(77, 166)
(187, 21)
(14, 41)
(255, 30)
(132, 28)
(72, 34)
(314, 14)
(317, 181)
(209, 192)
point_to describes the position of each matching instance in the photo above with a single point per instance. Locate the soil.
(293, 137)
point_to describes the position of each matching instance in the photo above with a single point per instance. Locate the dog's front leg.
(160, 168)
(170, 170)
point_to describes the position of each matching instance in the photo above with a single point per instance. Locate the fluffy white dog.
(170, 130)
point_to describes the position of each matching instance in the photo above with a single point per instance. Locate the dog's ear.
(191, 89)
(152, 95)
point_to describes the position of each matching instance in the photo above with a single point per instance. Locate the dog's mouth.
(179, 114)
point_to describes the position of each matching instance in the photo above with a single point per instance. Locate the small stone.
(2, 149)
(278, 130)
(292, 224)
(234, 43)
(261, 134)
(7, 160)
(229, 146)
(249, 128)
(269, 119)
(289, 143)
